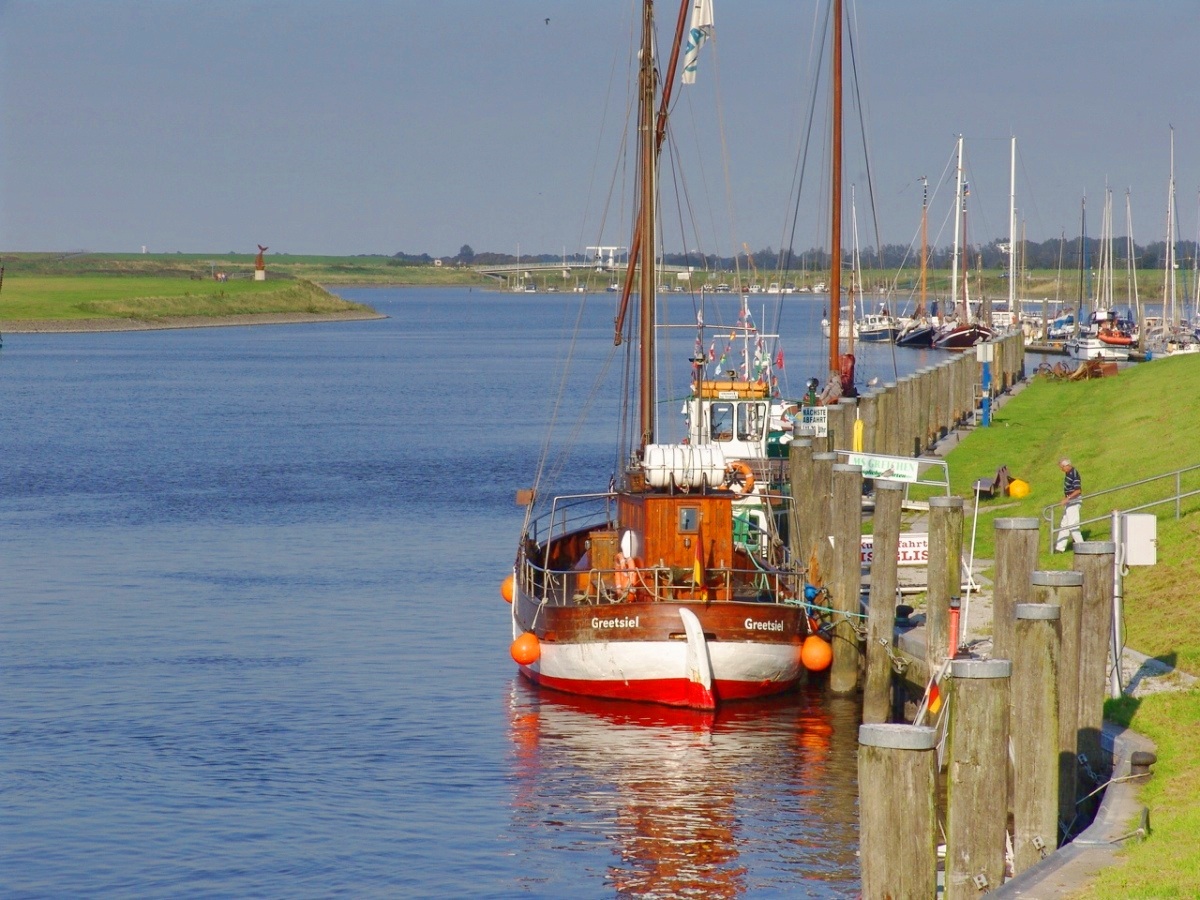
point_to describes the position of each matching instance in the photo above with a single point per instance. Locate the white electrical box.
(1139, 535)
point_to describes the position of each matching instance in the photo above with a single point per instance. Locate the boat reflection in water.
(656, 801)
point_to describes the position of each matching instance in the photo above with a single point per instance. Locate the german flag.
(935, 698)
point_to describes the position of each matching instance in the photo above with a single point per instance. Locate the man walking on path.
(1072, 505)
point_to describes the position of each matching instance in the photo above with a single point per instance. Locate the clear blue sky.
(376, 127)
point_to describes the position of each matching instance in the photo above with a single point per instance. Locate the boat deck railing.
(595, 587)
(1170, 488)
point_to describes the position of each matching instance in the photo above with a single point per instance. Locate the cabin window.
(689, 519)
(751, 419)
(721, 419)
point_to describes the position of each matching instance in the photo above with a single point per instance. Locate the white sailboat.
(1171, 336)
(962, 330)
(1099, 337)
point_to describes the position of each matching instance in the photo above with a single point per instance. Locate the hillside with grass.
(149, 299)
(1142, 423)
(237, 267)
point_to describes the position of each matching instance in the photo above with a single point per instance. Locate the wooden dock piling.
(846, 584)
(944, 575)
(833, 427)
(906, 426)
(887, 442)
(897, 778)
(977, 777)
(818, 506)
(881, 606)
(1094, 559)
(1034, 730)
(1064, 589)
(868, 412)
(1016, 558)
(941, 401)
(800, 479)
(928, 408)
(847, 413)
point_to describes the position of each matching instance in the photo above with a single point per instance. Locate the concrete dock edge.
(1121, 818)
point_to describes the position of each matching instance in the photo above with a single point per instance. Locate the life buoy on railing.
(625, 576)
(740, 477)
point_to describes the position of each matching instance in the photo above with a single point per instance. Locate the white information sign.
(913, 550)
(896, 468)
(814, 421)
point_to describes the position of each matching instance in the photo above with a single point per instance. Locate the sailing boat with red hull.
(675, 585)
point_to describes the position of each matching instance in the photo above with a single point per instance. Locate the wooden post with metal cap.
(1037, 642)
(846, 584)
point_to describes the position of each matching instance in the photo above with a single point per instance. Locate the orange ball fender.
(506, 589)
(816, 654)
(526, 649)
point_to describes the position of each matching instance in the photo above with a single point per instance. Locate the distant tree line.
(1069, 252)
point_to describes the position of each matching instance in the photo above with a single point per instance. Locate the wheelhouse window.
(689, 519)
(721, 418)
(751, 420)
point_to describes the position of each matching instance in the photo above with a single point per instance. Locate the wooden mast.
(635, 245)
(1012, 229)
(924, 241)
(835, 237)
(648, 154)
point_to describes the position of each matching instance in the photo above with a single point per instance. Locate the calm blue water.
(251, 641)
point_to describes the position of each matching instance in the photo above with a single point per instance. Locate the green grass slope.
(1143, 422)
(155, 297)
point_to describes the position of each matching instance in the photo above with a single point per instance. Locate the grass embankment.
(239, 266)
(143, 298)
(1144, 422)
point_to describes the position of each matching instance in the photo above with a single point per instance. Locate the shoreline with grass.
(106, 302)
(167, 323)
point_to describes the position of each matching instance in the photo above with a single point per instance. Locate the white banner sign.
(814, 421)
(913, 550)
(895, 468)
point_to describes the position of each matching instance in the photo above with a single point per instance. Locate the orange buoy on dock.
(816, 654)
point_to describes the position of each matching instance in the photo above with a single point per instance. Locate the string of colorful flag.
(761, 370)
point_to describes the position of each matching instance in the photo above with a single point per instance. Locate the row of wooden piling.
(1021, 729)
(908, 416)
(903, 418)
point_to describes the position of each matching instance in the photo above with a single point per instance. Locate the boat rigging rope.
(545, 470)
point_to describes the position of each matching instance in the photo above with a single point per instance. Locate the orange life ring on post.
(740, 477)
